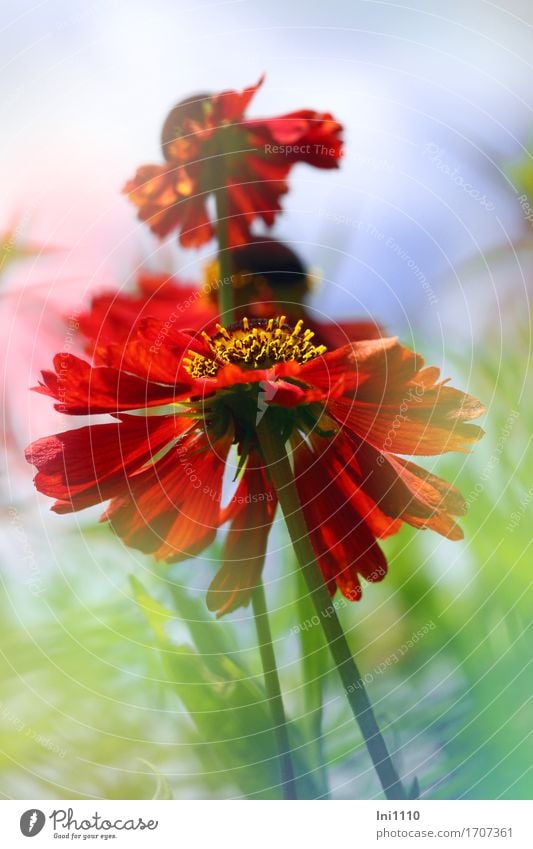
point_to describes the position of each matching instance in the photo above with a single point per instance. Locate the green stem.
(314, 657)
(225, 283)
(264, 636)
(279, 468)
(279, 722)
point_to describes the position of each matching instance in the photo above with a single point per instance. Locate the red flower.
(347, 413)
(209, 145)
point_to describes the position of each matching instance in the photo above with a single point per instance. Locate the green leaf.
(156, 614)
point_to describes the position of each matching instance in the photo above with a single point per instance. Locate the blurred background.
(121, 687)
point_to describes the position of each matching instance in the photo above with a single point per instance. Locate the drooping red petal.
(434, 502)
(388, 490)
(89, 465)
(397, 405)
(344, 545)
(196, 227)
(170, 199)
(153, 191)
(251, 512)
(359, 483)
(249, 200)
(172, 509)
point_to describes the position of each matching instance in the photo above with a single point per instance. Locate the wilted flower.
(210, 147)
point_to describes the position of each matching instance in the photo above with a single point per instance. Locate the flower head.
(209, 145)
(347, 414)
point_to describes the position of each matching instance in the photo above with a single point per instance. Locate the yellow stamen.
(254, 343)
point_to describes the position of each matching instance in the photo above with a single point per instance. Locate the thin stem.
(262, 624)
(279, 722)
(225, 282)
(277, 462)
(315, 656)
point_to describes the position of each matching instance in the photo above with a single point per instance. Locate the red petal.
(92, 464)
(230, 105)
(303, 136)
(398, 407)
(251, 511)
(196, 228)
(155, 351)
(336, 334)
(82, 389)
(336, 373)
(172, 509)
(344, 544)
(113, 316)
(387, 490)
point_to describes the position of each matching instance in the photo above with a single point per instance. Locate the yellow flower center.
(256, 343)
